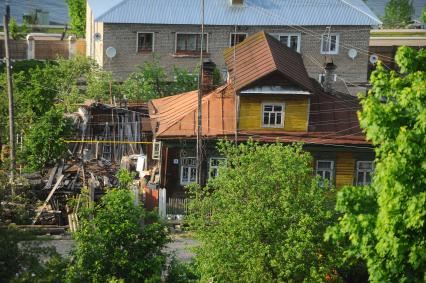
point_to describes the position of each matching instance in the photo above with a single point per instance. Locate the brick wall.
(123, 38)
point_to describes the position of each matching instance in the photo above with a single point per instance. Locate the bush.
(263, 218)
(113, 244)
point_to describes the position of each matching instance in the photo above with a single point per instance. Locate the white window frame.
(321, 78)
(231, 35)
(205, 33)
(365, 172)
(187, 167)
(331, 170)
(282, 104)
(222, 163)
(337, 35)
(299, 37)
(137, 41)
(156, 150)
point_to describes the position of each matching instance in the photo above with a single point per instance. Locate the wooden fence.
(177, 206)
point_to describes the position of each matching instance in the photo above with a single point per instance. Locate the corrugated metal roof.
(220, 12)
(261, 55)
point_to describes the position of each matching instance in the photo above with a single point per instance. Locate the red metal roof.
(261, 55)
(176, 116)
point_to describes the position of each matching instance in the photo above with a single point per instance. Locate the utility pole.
(6, 19)
(200, 98)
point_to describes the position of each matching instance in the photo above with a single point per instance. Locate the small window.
(364, 172)
(321, 78)
(291, 40)
(190, 42)
(272, 115)
(156, 150)
(145, 42)
(214, 164)
(325, 170)
(237, 38)
(330, 44)
(188, 170)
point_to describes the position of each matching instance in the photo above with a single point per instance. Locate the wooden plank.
(52, 175)
(58, 182)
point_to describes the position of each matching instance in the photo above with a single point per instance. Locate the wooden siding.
(295, 113)
(345, 168)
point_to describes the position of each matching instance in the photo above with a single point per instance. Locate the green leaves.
(398, 13)
(44, 142)
(77, 13)
(386, 223)
(113, 243)
(262, 219)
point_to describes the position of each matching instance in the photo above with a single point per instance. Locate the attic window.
(237, 2)
(272, 115)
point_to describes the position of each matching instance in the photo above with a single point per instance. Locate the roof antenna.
(200, 97)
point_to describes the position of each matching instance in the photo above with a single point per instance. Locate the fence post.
(30, 47)
(71, 46)
(162, 207)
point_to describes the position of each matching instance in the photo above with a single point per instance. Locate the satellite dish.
(374, 58)
(98, 36)
(352, 53)
(111, 52)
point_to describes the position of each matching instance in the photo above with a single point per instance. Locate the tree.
(398, 13)
(44, 143)
(262, 219)
(148, 82)
(386, 222)
(112, 242)
(77, 13)
(424, 15)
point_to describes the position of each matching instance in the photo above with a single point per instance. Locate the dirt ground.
(180, 246)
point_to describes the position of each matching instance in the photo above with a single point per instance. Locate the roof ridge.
(111, 9)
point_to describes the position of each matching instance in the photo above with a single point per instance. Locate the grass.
(398, 34)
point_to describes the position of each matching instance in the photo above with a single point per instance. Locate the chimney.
(237, 2)
(329, 76)
(208, 70)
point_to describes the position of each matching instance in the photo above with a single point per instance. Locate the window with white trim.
(188, 170)
(190, 42)
(291, 40)
(364, 172)
(145, 42)
(325, 169)
(237, 38)
(214, 164)
(272, 115)
(330, 43)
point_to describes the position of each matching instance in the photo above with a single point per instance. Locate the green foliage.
(386, 222)
(181, 272)
(150, 81)
(263, 218)
(398, 13)
(77, 13)
(113, 244)
(44, 143)
(125, 178)
(15, 31)
(19, 263)
(423, 17)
